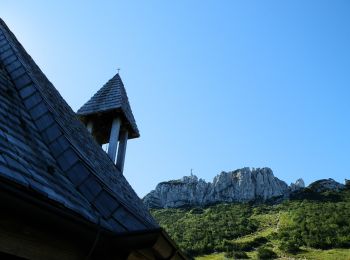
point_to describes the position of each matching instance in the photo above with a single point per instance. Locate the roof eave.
(157, 239)
(19, 199)
(133, 129)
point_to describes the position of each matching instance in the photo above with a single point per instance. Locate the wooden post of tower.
(113, 139)
(122, 149)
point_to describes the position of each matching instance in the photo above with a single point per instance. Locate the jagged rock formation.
(299, 184)
(242, 185)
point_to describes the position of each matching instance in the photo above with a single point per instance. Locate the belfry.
(108, 117)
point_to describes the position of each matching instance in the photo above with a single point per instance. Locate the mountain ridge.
(311, 224)
(303, 223)
(241, 185)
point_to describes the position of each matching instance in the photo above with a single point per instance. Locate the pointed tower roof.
(111, 98)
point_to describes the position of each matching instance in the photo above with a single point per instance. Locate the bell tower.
(108, 117)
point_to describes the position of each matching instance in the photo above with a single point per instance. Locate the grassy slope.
(312, 254)
(188, 225)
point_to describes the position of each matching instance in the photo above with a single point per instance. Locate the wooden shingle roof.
(112, 96)
(45, 150)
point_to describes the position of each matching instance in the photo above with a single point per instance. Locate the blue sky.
(214, 85)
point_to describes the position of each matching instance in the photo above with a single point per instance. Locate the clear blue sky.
(214, 85)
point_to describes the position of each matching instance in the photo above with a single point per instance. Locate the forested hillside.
(310, 225)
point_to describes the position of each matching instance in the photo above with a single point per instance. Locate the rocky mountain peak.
(299, 184)
(190, 179)
(326, 184)
(242, 185)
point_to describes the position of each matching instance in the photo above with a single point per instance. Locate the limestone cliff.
(242, 185)
(299, 184)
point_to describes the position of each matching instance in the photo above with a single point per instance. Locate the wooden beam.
(113, 139)
(122, 150)
(90, 126)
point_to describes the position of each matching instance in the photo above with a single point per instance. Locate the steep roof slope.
(52, 153)
(26, 160)
(112, 96)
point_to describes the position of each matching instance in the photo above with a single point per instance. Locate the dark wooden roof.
(46, 150)
(112, 96)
